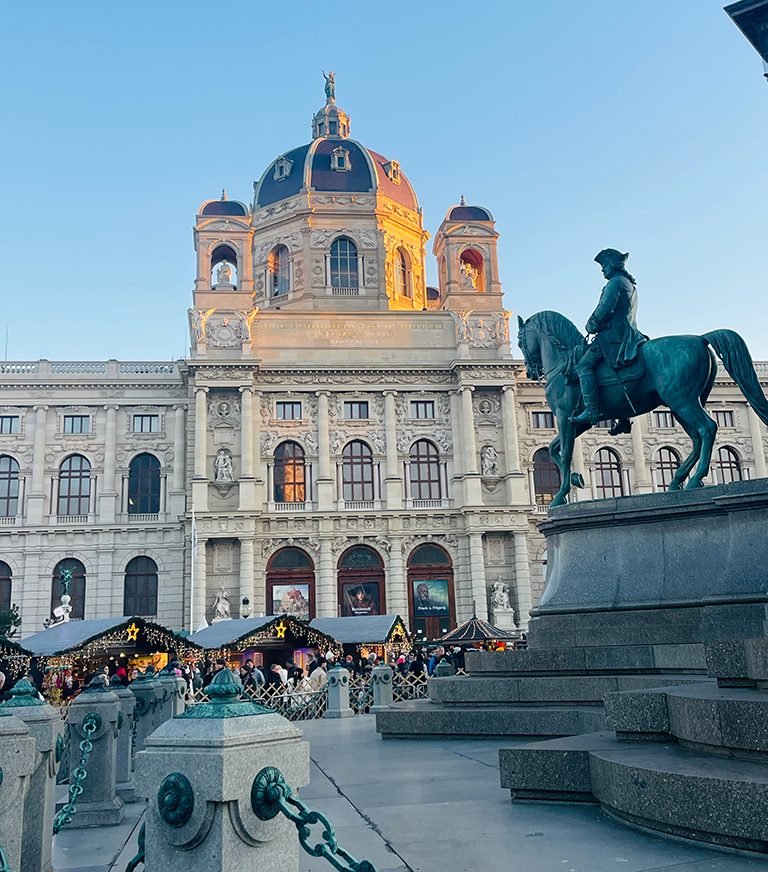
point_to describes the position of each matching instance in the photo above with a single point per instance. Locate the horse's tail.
(733, 351)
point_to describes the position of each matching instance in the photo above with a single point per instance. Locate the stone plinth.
(17, 762)
(47, 729)
(98, 805)
(338, 694)
(197, 772)
(382, 688)
(124, 758)
(504, 619)
(149, 699)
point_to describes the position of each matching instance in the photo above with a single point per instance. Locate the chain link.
(5, 866)
(91, 724)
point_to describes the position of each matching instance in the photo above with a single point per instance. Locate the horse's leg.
(687, 465)
(701, 428)
(566, 435)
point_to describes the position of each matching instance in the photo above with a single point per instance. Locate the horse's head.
(529, 344)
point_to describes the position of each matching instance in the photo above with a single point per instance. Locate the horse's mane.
(564, 332)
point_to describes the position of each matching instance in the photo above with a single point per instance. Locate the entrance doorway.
(361, 583)
(291, 584)
(430, 592)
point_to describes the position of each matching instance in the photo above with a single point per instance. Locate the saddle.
(604, 374)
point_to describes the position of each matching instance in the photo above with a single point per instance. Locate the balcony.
(345, 292)
(291, 507)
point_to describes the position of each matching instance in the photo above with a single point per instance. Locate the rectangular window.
(355, 410)
(333, 127)
(146, 423)
(664, 419)
(422, 408)
(77, 424)
(9, 424)
(289, 411)
(723, 419)
(543, 421)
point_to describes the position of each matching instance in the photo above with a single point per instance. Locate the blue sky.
(634, 124)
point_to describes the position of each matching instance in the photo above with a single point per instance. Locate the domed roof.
(468, 213)
(333, 163)
(223, 207)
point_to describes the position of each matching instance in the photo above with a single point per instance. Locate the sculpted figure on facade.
(469, 276)
(489, 461)
(500, 595)
(223, 466)
(224, 274)
(222, 611)
(330, 87)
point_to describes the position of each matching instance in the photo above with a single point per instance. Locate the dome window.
(282, 169)
(392, 169)
(340, 160)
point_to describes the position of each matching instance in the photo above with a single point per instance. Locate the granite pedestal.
(124, 756)
(17, 763)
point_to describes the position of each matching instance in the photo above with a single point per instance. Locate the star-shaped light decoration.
(281, 628)
(133, 631)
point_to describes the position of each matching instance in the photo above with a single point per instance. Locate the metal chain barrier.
(91, 723)
(4, 864)
(139, 858)
(270, 796)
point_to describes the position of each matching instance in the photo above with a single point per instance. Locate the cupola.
(330, 121)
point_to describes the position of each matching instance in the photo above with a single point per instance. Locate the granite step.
(658, 786)
(425, 719)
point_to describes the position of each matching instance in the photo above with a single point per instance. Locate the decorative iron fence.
(295, 704)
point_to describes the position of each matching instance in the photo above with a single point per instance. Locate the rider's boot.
(622, 425)
(589, 392)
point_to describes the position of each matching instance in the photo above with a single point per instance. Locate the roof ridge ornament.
(463, 201)
(223, 193)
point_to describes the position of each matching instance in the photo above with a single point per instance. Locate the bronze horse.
(676, 371)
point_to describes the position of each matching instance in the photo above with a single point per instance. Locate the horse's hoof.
(693, 484)
(577, 479)
(674, 486)
(557, 501)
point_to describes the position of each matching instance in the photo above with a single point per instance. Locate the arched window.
(727, 466)
(279, 271)
(140, 596)
(669, 463)
(76, 587)
(546, 477)
(357, 472)
(74, 486)
(608, 474)
(361, 582)
(402, 278)
(425, 471)
(9, 487)
(344, 264)
(291, 584)
(289, 473)
(144, 486)
(5, 586)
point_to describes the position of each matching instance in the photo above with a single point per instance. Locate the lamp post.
(751, 17)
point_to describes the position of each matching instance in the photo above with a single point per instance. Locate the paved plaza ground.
(423, 806)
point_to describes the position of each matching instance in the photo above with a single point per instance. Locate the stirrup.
(588, 416)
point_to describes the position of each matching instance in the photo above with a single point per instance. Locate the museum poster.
(292, 600)
(360, 598)
(430, 599)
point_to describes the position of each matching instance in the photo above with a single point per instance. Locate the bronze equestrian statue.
(622, 374)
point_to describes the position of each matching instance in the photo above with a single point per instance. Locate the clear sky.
(582, 124)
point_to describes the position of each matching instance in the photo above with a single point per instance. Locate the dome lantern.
(330, 122)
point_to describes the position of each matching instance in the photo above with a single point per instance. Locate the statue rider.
(617, 338)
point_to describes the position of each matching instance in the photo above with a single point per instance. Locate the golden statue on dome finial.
(330, 87)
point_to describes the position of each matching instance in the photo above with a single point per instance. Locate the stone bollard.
(148, 695)
(338, 694)
(47, 729)
(382, 688)
(98, 805)
(17, 763)
(124, 758)
(444, 668)
(198, 772)
(175, 694)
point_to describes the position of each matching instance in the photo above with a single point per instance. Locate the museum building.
(344, 439)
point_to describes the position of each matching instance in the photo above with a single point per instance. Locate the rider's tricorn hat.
(610, 255)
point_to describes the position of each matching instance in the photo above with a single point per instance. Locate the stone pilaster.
(108, 493)
(472, 492)
(477, 575)
(393, 482)
(200, 481)
(514, 478)
(246, 574)
(36, 498)
(643, 481)
(324, 481)
(247, 483)
(326, 605)
(756, 432)
(522, 580)
(177, 495)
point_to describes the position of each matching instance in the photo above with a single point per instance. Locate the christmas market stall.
(69, 653)
(265, 640)
(14, 661)
(477, 633)
(384, 635)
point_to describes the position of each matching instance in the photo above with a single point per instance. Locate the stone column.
(393, 482)
(17, 761)
(124, 757)
(472, 493)
(397, 587)
(176, 504)
(643, 481)
(324, 481)
(148, 694)
(756, 432)
(338, 694)
(199, 811)
(522, 580)
(47, 729)
(382, 688)
(258, 471)
(326, 605)
(477, 575)
(199, 592)
(108, 495)
(200, 481)
(247, 588)
(36, 498)
(98, 805)
(246, 480)
(514, 478)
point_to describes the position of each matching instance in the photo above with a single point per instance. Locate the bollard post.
(443, 669)
(47, 729)
(124, 757)
(198, 772)
(174, 688)
(338, 694)
(17, 763)
(382, 688)
(148, 695)
(98, 804)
